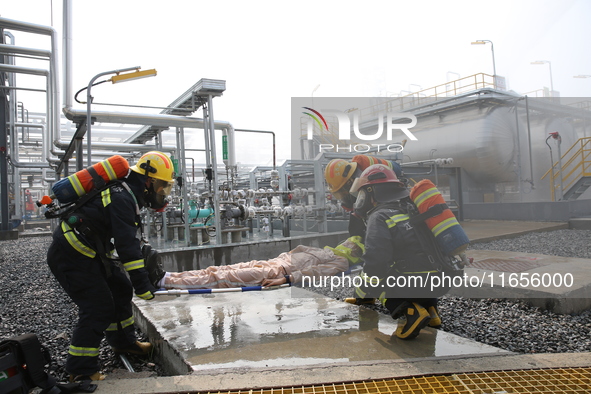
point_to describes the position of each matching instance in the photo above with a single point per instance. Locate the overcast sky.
(270, 51)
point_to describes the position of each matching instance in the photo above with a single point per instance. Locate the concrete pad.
(283, 327)
(559, 284)
(8, 235)
(489, 230)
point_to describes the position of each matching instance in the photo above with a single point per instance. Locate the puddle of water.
(270, 328)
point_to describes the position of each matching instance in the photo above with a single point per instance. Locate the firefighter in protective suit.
(340, 175)
(393, 250)
(81, 259)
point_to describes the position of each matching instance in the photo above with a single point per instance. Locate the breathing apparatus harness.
(82, 226)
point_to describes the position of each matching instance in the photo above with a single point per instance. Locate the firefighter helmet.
(338, 173)
(380, 182)
(160, 172)
(155, 165)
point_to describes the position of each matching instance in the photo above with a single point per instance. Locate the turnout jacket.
(112, 216)
(392, 246)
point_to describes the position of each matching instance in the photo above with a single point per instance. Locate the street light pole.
(550, 69)
(492, 49)
(118, 78)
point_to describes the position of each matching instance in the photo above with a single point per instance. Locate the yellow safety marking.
(146, 296)
(396, 219)
(78, 188)
(444, 225)
(109, 170)
(75, 242)
(106, 197)
(421, 198)
(127, 322)
(133, 265)
(84, 351)
(549, 381)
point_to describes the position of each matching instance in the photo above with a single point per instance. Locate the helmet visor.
(161, 187)
(357, 183)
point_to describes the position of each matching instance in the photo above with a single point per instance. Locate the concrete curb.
(255, 378)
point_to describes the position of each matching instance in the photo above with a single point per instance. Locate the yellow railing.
(394, 104)
(574, 164)
(448, 89)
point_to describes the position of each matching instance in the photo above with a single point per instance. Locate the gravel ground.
(33, 301)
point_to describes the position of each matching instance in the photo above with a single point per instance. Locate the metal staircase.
(572, 173)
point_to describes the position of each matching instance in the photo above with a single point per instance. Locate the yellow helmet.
(155, 165)
(337, 173)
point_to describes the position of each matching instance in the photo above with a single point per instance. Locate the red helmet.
(380, 182)
(373, 175)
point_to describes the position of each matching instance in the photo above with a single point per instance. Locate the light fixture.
(581, 76)
(119, 77)
(492, 49)
(133, 75)
(550, 69)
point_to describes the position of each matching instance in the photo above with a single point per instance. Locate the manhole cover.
(506, 265)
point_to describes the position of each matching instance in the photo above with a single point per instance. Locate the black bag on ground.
(22, 368)
(22, 365)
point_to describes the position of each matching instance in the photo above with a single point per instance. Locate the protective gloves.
(352, 249)
(141, 284)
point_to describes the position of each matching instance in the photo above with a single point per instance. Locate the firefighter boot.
(94, 376)
(417, 317)
(138, 348)
(435, 321)
(360, 301)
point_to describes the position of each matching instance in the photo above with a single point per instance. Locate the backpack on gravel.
(22, 368)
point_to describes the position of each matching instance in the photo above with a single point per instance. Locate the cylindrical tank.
(490, 143)
(480, 140)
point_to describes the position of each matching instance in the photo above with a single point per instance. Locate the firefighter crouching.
(392, 249)
(102, 288)
(340, 175)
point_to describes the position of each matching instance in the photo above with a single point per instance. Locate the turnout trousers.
(104, 304)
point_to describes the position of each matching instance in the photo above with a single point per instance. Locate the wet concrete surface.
(290, 331)
(288, 327)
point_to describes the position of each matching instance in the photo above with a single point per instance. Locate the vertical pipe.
(216, 198)
(183, 175)
(531, 165)
(4, 189)
(67, 56)
(12, 118)
(518, 151)
(559, 141)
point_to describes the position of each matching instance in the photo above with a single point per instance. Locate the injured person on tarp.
(288, 267)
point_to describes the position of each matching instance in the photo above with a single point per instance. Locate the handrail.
(576, 166)
(448, 89)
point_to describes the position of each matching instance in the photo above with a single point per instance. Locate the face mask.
(363, 203)
(154, 200)
(347, 202)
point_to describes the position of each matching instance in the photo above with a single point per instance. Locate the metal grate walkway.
(550, 381)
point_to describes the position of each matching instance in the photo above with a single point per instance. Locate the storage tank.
(489, 142)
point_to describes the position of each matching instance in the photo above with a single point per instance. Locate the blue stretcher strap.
(222, 290)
